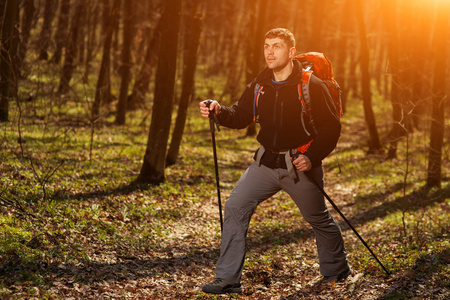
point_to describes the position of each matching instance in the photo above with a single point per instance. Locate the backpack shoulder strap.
(257, 92)
(306, 96)
(306, 77)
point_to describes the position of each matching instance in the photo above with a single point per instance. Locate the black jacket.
(279, 110)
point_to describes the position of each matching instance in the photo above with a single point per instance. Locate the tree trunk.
(26, 25)
(214, 41)
(8, 80)
(115, 51)
(61, 30)
(2, 6)
(153, 166)
(398, 114)
(194, 22)
(72, 47)
(44, 38)
(420, 47)
(374, 140)
(144, 76)
(148, 14)
(439, 96)
(255, 53)
(315, 42)
(125, 67)
(103, 89)
(342, 54)
(234, 51)
(91, 24)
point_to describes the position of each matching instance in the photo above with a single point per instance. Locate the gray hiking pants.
(257, 184)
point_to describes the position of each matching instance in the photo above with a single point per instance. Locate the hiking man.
(283, 134)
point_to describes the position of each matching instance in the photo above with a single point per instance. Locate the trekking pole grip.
(213, 119)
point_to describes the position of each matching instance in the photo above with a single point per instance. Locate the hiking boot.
(333, 279)
(221, 286)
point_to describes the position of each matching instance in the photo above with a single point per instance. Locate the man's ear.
(292, 52)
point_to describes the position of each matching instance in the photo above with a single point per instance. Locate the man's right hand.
(204, 109)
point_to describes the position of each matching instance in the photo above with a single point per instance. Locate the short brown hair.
(283, 34)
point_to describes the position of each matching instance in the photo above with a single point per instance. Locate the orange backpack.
(321, 66)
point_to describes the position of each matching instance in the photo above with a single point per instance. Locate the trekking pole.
(345, 219)
(214, 120)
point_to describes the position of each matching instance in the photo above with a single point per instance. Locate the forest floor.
(74, 225)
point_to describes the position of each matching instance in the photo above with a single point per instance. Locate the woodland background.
(106, 184)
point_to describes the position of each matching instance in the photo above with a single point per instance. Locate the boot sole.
(236, 290)
(233, 290)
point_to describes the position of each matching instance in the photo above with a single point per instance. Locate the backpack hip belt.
(287, 157)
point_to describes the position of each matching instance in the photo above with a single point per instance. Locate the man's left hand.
(302, 163)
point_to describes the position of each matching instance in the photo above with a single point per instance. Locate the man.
(282, 133)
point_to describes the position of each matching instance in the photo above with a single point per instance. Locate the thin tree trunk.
(374, 140)
(2, 6)
(103, 89)
(215, 10)
(420, 47)
(26, 25)
(439, 96)
(147, 18)
(342, 52)
(144, 76)
(15, 51)
(234, 38)
(398, 114)
(315, 42)
(91, 24)
(254, 57)
(44, 39)
(153, 166)
(194, 22)
(230, 50)
(72, 47)
(115, 48)
(61, 30)
(8, 79)
(128, 34)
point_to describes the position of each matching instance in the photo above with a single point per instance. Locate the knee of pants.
(240, 208)
(321, 218)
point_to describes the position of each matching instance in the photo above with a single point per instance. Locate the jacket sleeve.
(326, 120)
(240, 115)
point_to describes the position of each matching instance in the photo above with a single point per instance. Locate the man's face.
(277, 53)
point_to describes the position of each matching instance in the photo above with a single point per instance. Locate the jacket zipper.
(275, 120)
(281, 113)
(302, 114)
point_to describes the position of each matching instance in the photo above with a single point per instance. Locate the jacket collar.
(265, 77)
